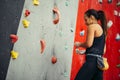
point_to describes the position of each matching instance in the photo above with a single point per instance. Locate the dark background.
(10, 13)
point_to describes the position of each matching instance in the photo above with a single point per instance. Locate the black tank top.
(98, 46)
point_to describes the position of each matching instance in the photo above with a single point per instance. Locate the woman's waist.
(92, 56)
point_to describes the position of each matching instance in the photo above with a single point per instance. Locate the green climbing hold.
(118, 66)
(66, 3)
(65, 74)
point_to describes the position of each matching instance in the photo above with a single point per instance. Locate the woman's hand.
(77, 44)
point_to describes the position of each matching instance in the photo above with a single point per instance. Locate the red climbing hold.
(14, 38)
(54, 59)
(27, 13)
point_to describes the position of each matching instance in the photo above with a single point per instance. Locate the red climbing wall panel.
(113, 46)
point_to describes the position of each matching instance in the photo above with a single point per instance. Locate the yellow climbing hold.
(25, 23)
(14, 54)
(36, 2)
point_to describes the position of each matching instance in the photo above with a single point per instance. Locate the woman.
(94, 44)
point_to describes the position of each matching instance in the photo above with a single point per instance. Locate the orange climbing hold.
(14, 54)
(27, 13)
(56, 11)
(54, 60)
(42, 42)
(14, 38)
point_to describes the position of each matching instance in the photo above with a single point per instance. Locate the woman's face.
(88, 20)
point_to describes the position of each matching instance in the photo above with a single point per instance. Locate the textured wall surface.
(31, 64)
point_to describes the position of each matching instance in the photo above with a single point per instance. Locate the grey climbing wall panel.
(59, 38)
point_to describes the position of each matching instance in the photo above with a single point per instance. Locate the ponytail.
(103, 20)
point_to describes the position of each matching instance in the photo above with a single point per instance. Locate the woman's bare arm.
(89, 38)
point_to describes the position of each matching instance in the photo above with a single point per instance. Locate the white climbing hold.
(118, 75)
(78, 51)
(100, 1)
(119, 50)
(109, 24)
(118, 3)
(119, 14)
(115, 12)
(118, 36)
(109, 1)
(82, 33)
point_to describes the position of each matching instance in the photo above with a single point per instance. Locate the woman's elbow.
(88, 45)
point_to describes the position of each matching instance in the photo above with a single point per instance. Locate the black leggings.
(89, 70)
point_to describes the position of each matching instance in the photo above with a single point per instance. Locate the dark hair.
(99, 15)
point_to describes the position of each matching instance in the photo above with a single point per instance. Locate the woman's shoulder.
(95, 26)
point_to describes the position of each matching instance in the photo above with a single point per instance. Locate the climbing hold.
(118, 66)
(14, 38)
(71, 29)
(60, 33)
(119, 14)
(27, 13)
(118, 37)
(25, 23)
(14, 54)
(54, 59)
(118, 3)
(65, 74)
(66, 47)
(109, 24)
(42, 42)
(100, 1)
(66, 3)
(82, 33)
(119, 50)
(56, 11)
(78, 51)
(115, 12)
(36, 2)
(118, 75)
(109, 1)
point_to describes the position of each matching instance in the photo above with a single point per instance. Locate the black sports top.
(98, 46)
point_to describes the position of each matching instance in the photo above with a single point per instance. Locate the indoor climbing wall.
(112, 11)
(44, 42)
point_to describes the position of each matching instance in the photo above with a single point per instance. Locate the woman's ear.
(92, 17)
